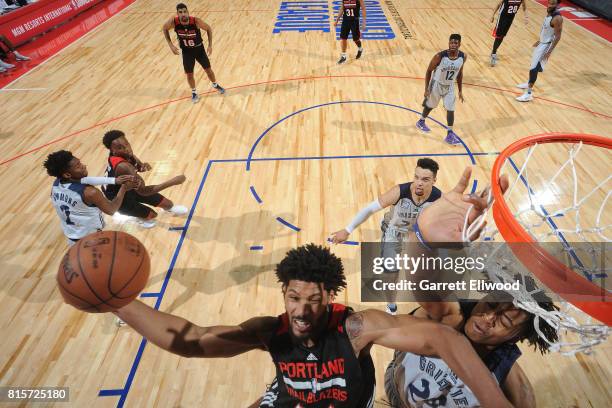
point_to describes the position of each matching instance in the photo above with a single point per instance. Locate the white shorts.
(444, 92)
(538, 53)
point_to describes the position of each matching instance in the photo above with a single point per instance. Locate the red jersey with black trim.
(111, 190)
(328, 375)
(510, 7)
(189, 35)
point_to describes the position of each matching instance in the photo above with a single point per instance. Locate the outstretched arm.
(125, 167)
(385, 200)
(423, 337)
(180, 336)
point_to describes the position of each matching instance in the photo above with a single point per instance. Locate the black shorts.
(503, 25)
(133, 204)
(191, 55)
(350, 26)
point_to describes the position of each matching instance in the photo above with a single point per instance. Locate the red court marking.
(272, 82)
(51, 43)
(598, 26)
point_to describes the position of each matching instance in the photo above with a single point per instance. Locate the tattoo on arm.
(354, 326)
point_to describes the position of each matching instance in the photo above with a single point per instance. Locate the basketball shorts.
(191, 55)
(538, 54)
(437, 92)
(350, 26)
(134, 204)
(503, 25)
(392, 243)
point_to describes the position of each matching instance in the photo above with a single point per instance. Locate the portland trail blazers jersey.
(510, 8)
(78, 218)
(189, 35)
(328, 375)
(404, 213)
(351, 9)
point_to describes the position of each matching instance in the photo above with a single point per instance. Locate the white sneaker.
(147, 223)
(493, 60)
(526, 97)
(6, 65)
(524, 85)
(178, 210)
(20, 57)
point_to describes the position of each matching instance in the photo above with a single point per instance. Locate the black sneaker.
(342, 60)
(359, 52)
(219, 89)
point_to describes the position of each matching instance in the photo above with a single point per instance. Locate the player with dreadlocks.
(321, 349)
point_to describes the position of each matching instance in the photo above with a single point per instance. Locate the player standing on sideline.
(187, 29)
(550, 34)
(349, 11)
(505, 10)
(448, 67)
(78, 204)
(6, 47)
(406, 201)
(122, 161)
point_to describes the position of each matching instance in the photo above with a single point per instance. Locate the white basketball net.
(577, 331)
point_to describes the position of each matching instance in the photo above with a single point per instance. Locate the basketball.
(103, 272)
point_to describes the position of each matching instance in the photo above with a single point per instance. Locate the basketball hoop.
(522, 229)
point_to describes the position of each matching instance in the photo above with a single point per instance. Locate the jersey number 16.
(189, 43)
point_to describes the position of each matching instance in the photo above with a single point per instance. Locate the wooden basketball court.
(288, 155)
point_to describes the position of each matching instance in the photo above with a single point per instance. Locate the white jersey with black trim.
(78, 219)
(447, 70)
(547, 33)
(402, 215)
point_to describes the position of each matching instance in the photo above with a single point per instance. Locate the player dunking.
(405, 202)
(447, 69)
(550, 34)
(349, 12)
(187, 29)
(505, 10)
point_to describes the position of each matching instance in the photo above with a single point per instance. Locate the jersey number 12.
(450, 75)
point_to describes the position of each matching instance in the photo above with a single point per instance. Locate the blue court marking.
(559, 235)
(345, 242)
(265, 132)
(128, 383)
(287, 224)
(255, 195)
(256, 248)
(150, 295)
(176, 228)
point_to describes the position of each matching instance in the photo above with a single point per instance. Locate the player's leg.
(429, 103)
(357, 38)
(188, 66)
(501, 29)
(133, 208)
(203, 60)
(11, 47)
(449, 105)
(160, 201)
(537, 66)
(345, 28)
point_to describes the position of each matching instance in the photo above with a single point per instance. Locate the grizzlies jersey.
(447, 70)
(547, 33)
(78, 219)
(404, 213)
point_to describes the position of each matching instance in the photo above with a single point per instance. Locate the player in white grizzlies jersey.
(447, 69)
(80, 206)
(550, 34)
(406, 202)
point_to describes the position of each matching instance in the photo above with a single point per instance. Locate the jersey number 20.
(513, 9)
(66, 211)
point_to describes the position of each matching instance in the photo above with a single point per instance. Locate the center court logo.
(315, 15)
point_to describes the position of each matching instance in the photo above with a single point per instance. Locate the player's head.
(182, 12)
(493, 323)
(454, 42)
(311, 276)
(116, 142)
(552, 6)
(425, 176)
(63, 165)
